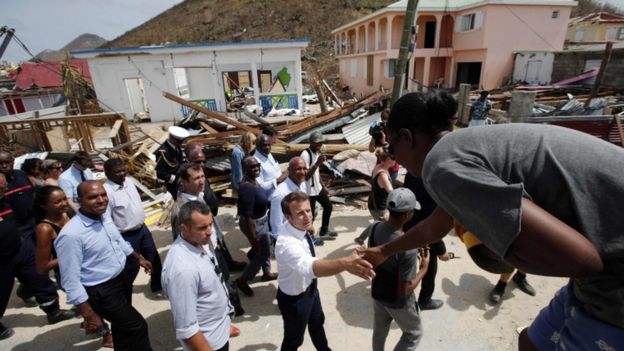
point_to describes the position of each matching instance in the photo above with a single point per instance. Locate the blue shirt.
(90, 252)
(236, 162)
(70, 179)
(480, 109)
(192, 281)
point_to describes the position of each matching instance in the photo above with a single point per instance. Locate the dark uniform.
(21, 196)
(17, 259)
(168, 161)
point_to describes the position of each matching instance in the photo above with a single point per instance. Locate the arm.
(276, 217)
(43, 260)
(372, 145)
(237, 169)
(92, 321)
(69, 250)
(353, 264)
(197, 342)
(548, 246)
(142, 262)
(69, 190)
(406, 287)
(385, 182)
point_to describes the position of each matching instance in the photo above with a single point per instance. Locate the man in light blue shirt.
(77, 173)
(92, 256)
(192, 281)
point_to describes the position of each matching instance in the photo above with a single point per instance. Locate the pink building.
(457, 41)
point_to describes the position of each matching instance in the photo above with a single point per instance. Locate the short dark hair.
(81, 155)
(113, 163)
(268, 130)
(430, 112)
(298, 196)
(41, 198)
(185, 214)
(183, 171)
(30, 165)
(81, 186)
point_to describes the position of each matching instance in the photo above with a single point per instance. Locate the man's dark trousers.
(22, 267)
(298, 312)
(110, 301)
(142, 242)
(322, 199)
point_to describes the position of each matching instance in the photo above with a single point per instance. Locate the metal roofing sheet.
(357, 133)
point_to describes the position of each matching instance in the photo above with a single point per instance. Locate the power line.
(531, 28)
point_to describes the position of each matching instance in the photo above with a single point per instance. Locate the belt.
(132, 231)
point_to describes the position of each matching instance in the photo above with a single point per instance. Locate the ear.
(407, 134)
(182, 228)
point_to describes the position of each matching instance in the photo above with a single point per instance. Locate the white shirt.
(277, 216)
(314, 183)
(124, 203)
(269, 171)
(70, 179)
(198, 297)
(295, 262)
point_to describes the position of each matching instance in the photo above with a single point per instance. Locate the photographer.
(378, 139)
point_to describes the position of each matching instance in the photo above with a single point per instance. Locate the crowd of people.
(536, 199)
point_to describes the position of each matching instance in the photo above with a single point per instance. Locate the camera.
(377, 132)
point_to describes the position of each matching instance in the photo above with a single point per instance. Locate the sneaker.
(5, 332)
(328, 234)
(244, 287)
(523, 284)
(60, 315)
(317, 241)
(432, 304)
(359, 241)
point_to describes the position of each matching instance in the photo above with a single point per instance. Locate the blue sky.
(50, 24)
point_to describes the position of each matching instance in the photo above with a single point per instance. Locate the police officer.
(169, 157)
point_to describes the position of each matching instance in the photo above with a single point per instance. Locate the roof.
(181, 48)
(47, 74)
(357, 133)
(591, 47)
(451, 6)
(598, 17)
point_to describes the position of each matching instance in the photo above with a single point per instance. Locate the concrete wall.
(571, 63)
(156, 70)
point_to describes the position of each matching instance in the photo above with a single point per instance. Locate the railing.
(278, 101)
(210, 104)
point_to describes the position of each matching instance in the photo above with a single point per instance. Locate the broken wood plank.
(208, 128)
(115, 129)
(212, 114)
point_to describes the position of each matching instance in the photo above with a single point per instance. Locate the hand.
(356, 265)
(444, 257)
(92, 323)
(424, 258)
(325, 191)
(373, 255)
(320, 160)
(146, 264)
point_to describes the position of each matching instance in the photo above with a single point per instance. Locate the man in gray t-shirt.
(573, 176)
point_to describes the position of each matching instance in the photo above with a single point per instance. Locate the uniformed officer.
(169, 157)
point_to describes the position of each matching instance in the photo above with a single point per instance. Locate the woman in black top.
(254, 223)
(51, 215)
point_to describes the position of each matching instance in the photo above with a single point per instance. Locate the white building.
(132, 80)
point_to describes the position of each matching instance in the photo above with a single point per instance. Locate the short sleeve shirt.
(480, 109)
(480, 175)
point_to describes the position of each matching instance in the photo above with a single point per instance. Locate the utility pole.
(406, 38)
(606, 57)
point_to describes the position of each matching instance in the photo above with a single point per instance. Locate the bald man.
(297, 172)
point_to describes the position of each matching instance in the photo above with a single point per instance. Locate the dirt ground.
(467, 321)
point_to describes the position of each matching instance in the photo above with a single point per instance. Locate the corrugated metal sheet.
(221, 163)
(357, 133)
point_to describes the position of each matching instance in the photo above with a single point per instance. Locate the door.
(430, 31)
(136, 95)
(533, 69)
(468, 73)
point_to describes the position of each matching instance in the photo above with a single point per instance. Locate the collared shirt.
(90, 252)
(184, 198)
(314, 184)
(198, 297)
(124, 204)
(70, 179)
(295, 262)
(277, 216)
(269, 171)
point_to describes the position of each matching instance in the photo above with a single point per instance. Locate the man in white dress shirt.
(126, 210)
(270, 172)
(297, 295)
(192, 281)
(297, 171)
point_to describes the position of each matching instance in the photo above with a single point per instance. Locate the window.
(578, 36)
(469, 22)
(354, 68)
(390, 68)
(621, 33)
(555, 14)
